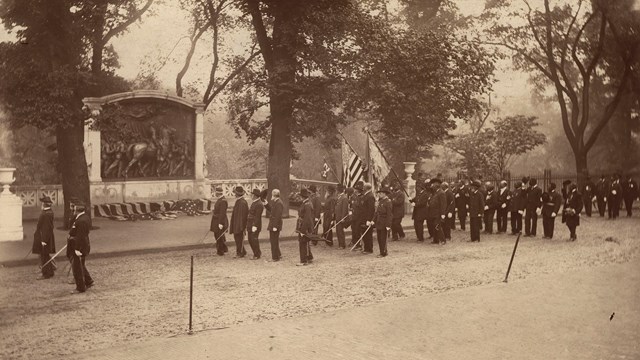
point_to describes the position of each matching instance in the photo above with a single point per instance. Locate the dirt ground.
(137, 298)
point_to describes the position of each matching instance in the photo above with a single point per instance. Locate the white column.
(199, 143)
(10, 209)
(410, 184)
(92, 145)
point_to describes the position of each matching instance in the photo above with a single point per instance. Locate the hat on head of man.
(384, 189)
(239, 190)
(436, 181)
(304, 193)
(219, 189)
(359, 185)
(46, 200)
(256, 192)
(476, 183)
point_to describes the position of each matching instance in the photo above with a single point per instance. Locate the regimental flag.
(352, 165)
(380, 168)
(325, 170)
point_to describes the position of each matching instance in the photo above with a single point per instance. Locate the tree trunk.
(282, 97)
(73, 167)
(582, 169)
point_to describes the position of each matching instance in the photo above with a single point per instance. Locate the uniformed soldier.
(588, 193)
(615, 197)
(504, 204)
(317, 210)
(356, 217)
(571, 211)
(436, 212)
(383, 219)
(341, 212)
(533, 208)
(254, 223)
(476, 210)
(490, 207)
(44, 242)
(238, 225)
(328, 216)
(304, 227)
(462, 202)
(219, 221)
(419, 214)
(518, 202)
(79, 247)
(448, 222)
(602, 189)
(368, 213)
(630, 193)
(551, 202)
(397, 202)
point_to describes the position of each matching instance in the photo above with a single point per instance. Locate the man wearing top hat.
(219, 221)
(238, 224)
(43, 239)
(254, 223)
(476, 210)
(341, 212)
(78, 246)
(304, 227)
(328, 215)
(383, 220)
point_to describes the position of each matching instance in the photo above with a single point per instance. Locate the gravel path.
(138, 298)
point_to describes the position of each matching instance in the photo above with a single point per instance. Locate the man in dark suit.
(490, 206)
(551, 202)
(436, 212)
(587, 195)
(504, 204)
(317, 210)
(383, 220)
(275, 209)
(238, 225)
(602, 189)
(44, 242)
(615, 197)
(533, 208)
(518, 202)
(254, 223)
(356, 217)
(629, 193)
(419, 214)
(341, 212)
(79, 247)
(476, 210)
(328, 215)
(462, 202)
(219, 221)
(368, 212)
(571, 212)
(304, 227)
(397, 202)
(448, 222)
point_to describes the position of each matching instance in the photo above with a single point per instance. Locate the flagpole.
(369, 174)
(385, 159)
(349, 145)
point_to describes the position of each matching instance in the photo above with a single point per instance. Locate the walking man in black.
(304, 227)
(588, 195)
(476, 210)
(44, 242)
(341, 213)
(615, 197)
(462, 203)
(551, 202)
(490, 206)
(275, 224)
(383, 220)
(533, 208)
(630, 193)
(219, 221)
(78, 247)
(254, 223)
(436, 212)
(518, 202)
(419, 214)
(397, 202)
(571, 211)
(368, 213)
(602, 189)
(504, 204)
(238, 225)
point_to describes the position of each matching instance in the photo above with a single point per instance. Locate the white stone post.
(92, 144)
(199, 158)
(10, 209)
(409, 184)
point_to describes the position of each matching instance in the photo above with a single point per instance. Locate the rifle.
(336, 224)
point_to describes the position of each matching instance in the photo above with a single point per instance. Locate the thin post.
(513, 254)
(191, 298)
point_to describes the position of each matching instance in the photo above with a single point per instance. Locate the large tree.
(572, 47)
(61, 56)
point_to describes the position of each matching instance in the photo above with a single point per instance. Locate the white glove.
(508, 197)
(371, 223)
(587, 188)
(521, 212)
(504, 206)
(605, 199)
(614, 192)
(486, 207)
(553, 214)
(442, 216)
(538, 211)
(78, 253)
(316, 219)
(43, 243)
(388, 229)
(457, 195)
(467, 207)
(350, 212)
(450, 215)
(275, 229)
(254, 228)
(220, 226)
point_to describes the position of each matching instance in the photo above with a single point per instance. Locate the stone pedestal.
(10, 209)
(409, 184)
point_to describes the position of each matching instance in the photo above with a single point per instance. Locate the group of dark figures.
(158, 155)
(355, 207)
(439, 205)
(77, 248)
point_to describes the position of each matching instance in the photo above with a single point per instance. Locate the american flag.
(380, 168)
(352, 165)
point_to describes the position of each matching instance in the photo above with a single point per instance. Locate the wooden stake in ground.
(513, 254)
(191, 297)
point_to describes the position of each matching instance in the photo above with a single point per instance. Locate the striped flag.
(380, 168)
(352, 166)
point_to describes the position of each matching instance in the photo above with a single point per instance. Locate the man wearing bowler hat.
(43, 239)
(238, 224)
(78, 246)
(304, 227)
(219, 221)
(275, 209)
(383, 219)
(254, 223)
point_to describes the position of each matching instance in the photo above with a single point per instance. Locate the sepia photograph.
(319, 179)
